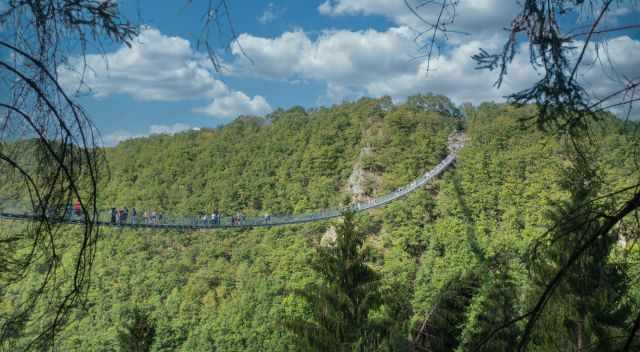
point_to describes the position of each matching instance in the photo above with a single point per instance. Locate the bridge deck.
(226, 222)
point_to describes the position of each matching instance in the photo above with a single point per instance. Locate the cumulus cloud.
(112, 139)
(484, 20)
(609, 67)
(376, 63)
(168, 129)
(477, 18)
(337, 56)
(619, 57)
(236, 103)
(155, 68)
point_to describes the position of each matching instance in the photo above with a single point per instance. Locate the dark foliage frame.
(565, 106)
(49, 145)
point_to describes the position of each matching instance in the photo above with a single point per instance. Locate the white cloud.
(115, 137)
(376, 63)
(339, 56)
(479, 18)
(270, 14)
(112, 139)
(620, 11)
(609, 67)
(620, 56)
(168, 129)
(267, 17)
(237, 103)
(393, 9)
(155, 68)
(485, 20)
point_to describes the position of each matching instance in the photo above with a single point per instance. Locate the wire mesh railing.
(20, 211)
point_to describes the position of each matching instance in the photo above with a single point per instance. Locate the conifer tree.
(138, 333)
(588, 306)
(340, 304)
(494, 304)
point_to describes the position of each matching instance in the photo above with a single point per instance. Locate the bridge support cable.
(15, 211)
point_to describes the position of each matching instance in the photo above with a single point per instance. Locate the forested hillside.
(455, 259)
(291, 161)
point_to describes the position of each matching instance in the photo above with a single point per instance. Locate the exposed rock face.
(329, 237)
(456, 141)
(359, 178)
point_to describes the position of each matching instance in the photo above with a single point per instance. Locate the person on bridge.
(77, 208)
(113, 215)
(134, 214)
(125, 215)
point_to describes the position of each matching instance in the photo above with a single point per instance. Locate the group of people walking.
(121, 216)
(214, 219)
(238, 219)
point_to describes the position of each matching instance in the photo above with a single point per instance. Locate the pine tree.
(588, 307)
(442, 327)
(493, 305)
(138, 333)
(341, 302)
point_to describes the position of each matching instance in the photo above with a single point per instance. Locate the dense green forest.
(453, 261)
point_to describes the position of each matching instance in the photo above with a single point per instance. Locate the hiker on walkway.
(77, 208)
(113, 215)
(134, 214)
(125, 215)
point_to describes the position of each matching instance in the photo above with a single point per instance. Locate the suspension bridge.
(16, 210)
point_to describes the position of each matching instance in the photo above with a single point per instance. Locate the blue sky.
(305, 53)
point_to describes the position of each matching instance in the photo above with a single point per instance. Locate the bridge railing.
(17, 209)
